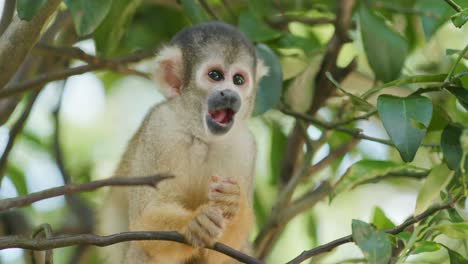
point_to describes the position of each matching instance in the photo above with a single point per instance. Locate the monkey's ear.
(261, 70)
(168, 71)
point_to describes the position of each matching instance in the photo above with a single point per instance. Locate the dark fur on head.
(194, 41)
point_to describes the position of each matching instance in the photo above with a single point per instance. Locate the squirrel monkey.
(209, 74)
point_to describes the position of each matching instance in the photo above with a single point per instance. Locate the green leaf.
(439, 13)
(455, 257)
(278, 144)
(454, 230)
(455, 51)
(380, 220)
(406, 121)
(454, 215)
(88, 14)
(450, 144)
(377, 36)
(365, 171)
(440, 118)
(404, 236)
(461, 94)
(194, 11)
(269, 87)
(255, 29)
(374, 244)
(308, 45)
(425, 246)
(28, 8)
(17, 177)
(460, 18)
(109, 34)
(146, 30)
(436, 181)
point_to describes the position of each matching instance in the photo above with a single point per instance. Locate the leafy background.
(410, 84)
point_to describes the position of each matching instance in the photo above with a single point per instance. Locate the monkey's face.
(227, 87)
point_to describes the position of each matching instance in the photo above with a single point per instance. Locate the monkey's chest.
(200, 162)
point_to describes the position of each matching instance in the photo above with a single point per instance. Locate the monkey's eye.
(238, 79)
(216, 75)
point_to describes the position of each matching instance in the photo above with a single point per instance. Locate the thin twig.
(102, 241)
(39, 81)
(79, 54)
(24, 200)
(361, 117)
(395, 230)
(454, 5)
(208, 9)
(15, 131)
(356, 133)
(46, 229)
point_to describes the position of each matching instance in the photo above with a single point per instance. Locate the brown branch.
(24, 200)
(355, 133)
(45, 229)
(395, 230)
(284, 210)
(208, 9)
(19, 38)
(43, 79)
(7, 14)
(102, 241)
(15, 131)
(79, 54)
(339, 38)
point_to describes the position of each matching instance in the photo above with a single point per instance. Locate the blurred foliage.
(415, 80)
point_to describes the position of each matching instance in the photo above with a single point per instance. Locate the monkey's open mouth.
(222, 116)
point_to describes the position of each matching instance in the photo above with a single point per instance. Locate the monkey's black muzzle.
(222, 106)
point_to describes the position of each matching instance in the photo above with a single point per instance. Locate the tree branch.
(43, 79)
(102, 241)
(24, 200)
(79, 54)
(454, 5)
(19, 38)
(284, 210)
(395, 230)
(356, 133)
(7, 14)
(15, 131)
(339, 38)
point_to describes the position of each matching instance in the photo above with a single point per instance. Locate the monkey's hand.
(225, 195)
(205, 228)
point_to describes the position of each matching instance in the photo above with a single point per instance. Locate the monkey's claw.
(225, 194)
(206, 228)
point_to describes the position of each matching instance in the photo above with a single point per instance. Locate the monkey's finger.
(231, 180)
(224, 199)
(196, 235)
(214, 178)
(212, 226)
(225, 188)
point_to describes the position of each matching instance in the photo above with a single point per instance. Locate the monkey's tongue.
(222, 116)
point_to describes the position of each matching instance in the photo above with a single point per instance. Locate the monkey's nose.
(224, 99)
(230, 98)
